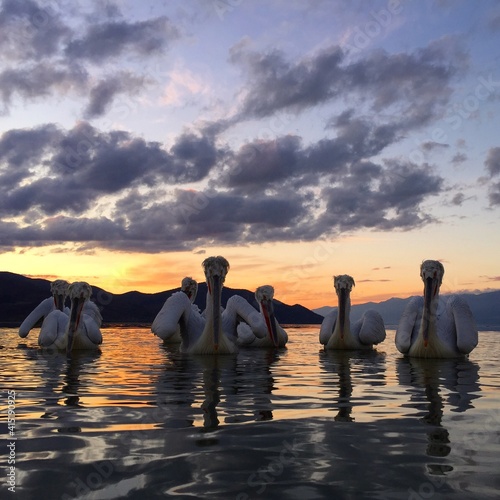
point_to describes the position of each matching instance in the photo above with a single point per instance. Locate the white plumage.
(337, 332)
(205, 335)
(49, 310)
(175, 313)
(262, 329)
(83, 329)
(436, 327)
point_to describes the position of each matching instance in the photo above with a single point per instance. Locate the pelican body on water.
(337, 331)
(436, 327)
(62, 328)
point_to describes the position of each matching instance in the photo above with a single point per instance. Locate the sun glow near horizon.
(301, 273)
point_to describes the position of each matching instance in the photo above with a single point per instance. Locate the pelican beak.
(59, 301)
(342, 310)
(215, 289)
(74, 321)
(430, 289)
(268, 312)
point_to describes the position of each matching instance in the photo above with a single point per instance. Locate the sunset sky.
(298, 139)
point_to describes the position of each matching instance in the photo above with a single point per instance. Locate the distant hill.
(485, 308)
(19, 295)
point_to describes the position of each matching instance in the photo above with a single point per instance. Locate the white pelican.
(275, 336)
(434, 327)
(336, 330)
(58, 289)
(205, 335)
(172, 316)
(83, 330)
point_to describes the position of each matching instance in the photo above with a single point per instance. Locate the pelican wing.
(372, 328)
(53, 328)
(92, 330)
(467, 336)
(238, 307)
(166, 323)
(327, 327)
(408, 323)
(42, 310)
(92, 310)
(245, 334)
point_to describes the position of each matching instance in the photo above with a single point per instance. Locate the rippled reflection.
(437, 384)
(340, 366)
(142, 419)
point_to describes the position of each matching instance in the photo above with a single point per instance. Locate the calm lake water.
(140, 420)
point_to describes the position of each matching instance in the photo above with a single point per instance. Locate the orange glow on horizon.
(301, 273)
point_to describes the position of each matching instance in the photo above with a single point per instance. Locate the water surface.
(140, 420)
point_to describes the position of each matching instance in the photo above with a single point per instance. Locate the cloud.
(459, 158)
(29, 31)
(82, 164)
(492, 164)
(417, 85)
(264, 191)
(111, 39)
(46, 54)
(103, 93)
(492, 161)
(40, 80)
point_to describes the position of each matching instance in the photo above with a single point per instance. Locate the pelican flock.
(436, 327)
(337, 332)
(430, 326)
(62, 328)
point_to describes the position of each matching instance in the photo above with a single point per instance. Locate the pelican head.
(431, 272)
(79, 292)
(190, 287)
(264, 296)
(59, 290)
(343, 284)
(215, 269)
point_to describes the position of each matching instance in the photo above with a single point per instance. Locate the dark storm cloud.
(111, 39)
(416, 83)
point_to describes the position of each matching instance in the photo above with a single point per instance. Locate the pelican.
(164, 325)
(55, 323)
(336, 330)
(58, 289)
(433, 326)
(83, 330)
(276, 336)
(205, 335)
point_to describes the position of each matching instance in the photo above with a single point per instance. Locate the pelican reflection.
(229, 389)
(366, 366)
(435, 387)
